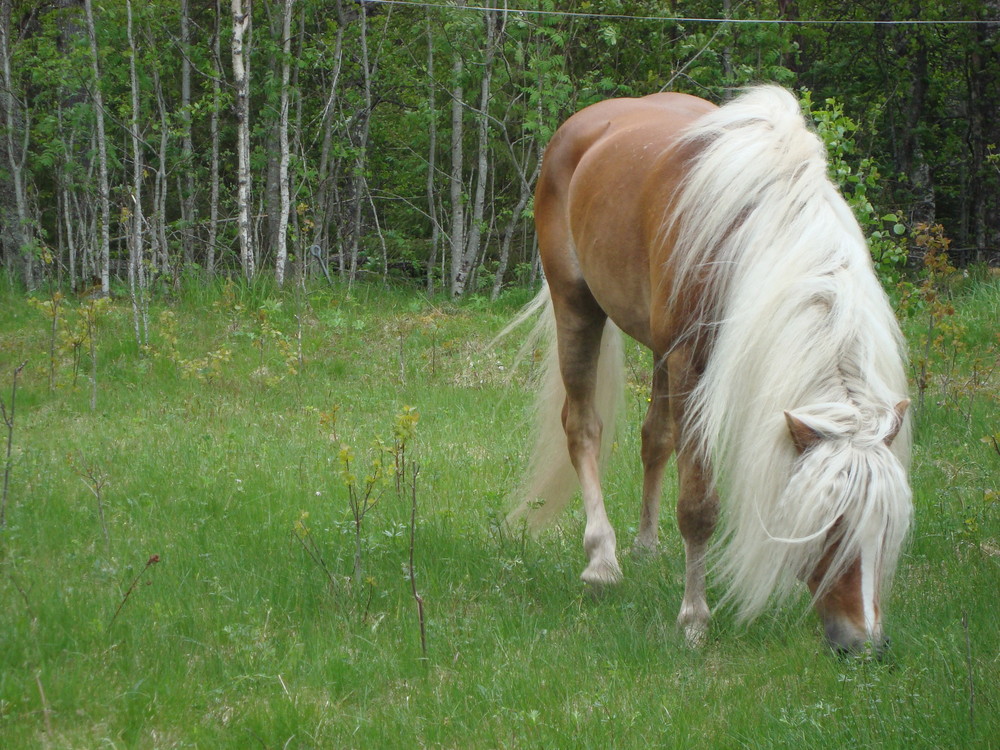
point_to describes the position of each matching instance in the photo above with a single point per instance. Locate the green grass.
(238, 638)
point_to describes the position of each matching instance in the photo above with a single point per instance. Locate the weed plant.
(218, 602)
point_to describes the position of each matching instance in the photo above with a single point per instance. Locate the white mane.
(795, 320)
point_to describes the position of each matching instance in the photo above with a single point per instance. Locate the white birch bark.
(470, 253)
(281, 251)
(17, 148)
(136, 277)
(103, 191)
(431, 158)
(241, 82)
(188, 204)
(213, 126)
(456, 240)
(359, 185)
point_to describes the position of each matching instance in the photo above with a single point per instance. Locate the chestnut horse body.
(713, 237)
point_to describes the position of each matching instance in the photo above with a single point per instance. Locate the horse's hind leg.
(579, 330)
(657, 445)
(697, 504)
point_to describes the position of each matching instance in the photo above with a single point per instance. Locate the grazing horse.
(713, 236)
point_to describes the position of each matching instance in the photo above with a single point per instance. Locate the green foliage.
(860, 181)
(946, 360)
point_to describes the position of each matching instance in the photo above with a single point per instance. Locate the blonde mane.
(794, 320)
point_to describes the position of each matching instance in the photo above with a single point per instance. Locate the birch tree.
(281, 251)
(136, 275)
(16, 145)
(241, 84)
(468, 254)
(103, 190)
(188, 196)
(456, 238)
(431, 158)
(362, 129)
(213, 128)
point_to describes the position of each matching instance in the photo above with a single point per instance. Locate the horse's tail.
(551, 480)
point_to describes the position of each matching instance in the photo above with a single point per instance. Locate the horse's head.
(866, 484)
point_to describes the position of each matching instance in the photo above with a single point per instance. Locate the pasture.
(178, 566)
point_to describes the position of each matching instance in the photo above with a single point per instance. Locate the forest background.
(149, 142)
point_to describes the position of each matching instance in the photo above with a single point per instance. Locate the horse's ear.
(803, 436)
(900, 410)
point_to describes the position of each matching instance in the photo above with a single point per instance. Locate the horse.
(714, 237)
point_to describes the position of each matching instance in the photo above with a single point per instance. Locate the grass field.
(219, 451)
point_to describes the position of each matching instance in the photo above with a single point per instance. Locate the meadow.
(278, 525)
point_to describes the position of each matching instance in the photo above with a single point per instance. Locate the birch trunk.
(324, 195)
(359, 185)
(470, 252)
(188, 204)
(17, 150)
(136, 277)
(431, 158)
(282, 234)
(456, 242)
(241, 82)
(511, 228)
(159, 239)
(103, 191)
(213, 126)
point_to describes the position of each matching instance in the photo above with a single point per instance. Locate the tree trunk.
(281, 251)
(136, 277)
(103, 191)
(241, 82)
(508, 234)
(470, 253)
(913, 159)
(161, 247)
(188, 203)
(431, 158)
(457, 236)
(16, 131)
(984, 102)
(362, 128)
(323, 211)
(213, 126)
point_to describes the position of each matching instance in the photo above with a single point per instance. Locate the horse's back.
(606, 180)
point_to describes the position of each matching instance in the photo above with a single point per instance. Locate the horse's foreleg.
(657, 445)
(579, 348)
(697, 508)
(697, 511)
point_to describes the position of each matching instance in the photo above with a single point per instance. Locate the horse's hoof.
(601, 574)
(695, 636)
(644, 547)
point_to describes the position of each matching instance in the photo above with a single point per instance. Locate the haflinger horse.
(713, 236)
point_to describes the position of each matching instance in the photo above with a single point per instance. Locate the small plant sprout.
(91, 317)
(50, 308)
(362, 496)
(304, 536)
(403, 431)
(96, 480)
(328, 421)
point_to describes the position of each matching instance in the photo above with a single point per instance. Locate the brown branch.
(153, 560)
